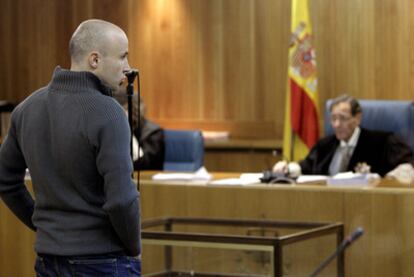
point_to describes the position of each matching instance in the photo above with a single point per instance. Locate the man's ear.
(93, 60)
(358, 117)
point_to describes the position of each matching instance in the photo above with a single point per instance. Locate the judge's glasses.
(340, 117)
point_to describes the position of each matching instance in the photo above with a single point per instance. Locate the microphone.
(341, 248)
(353, 237)
(131, 74)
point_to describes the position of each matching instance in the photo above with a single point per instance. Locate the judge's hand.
(281, 167)
(291, 169)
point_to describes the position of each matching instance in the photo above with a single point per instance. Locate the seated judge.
(350, 146)
(148, 140)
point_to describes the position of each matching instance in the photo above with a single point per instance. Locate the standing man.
(74, 139)
(350, 145)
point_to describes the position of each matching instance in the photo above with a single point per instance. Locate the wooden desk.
(385, 212)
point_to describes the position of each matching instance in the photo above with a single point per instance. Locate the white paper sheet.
(199, 175)
(311, 179)
(353, 179)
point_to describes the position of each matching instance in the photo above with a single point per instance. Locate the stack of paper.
(311, 179)
(244, 179)
(353, 179)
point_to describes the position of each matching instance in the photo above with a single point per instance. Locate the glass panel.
(200, 261)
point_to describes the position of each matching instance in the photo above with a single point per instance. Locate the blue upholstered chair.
(184, 150)
(385, 115)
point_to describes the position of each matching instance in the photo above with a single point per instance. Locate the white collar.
(353, 140)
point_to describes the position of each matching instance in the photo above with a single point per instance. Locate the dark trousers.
(108, 265)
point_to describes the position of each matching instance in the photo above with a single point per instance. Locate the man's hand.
(281, 167)
(291, 169)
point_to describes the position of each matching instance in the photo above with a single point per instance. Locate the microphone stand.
(339, 251)
(139, 124)
(130, 92)
(328, 260)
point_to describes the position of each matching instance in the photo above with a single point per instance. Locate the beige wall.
(218, 64)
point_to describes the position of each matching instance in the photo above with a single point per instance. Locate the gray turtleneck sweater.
(74, 139)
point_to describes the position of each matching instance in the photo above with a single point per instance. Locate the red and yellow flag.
(301, 119)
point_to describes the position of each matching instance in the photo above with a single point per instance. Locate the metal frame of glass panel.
(273, 245)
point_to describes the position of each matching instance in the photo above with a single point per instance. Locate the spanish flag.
(301, 119)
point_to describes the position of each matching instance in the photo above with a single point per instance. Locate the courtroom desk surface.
(386, 213)
(387, 185)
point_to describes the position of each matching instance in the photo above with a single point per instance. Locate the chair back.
(184, 150)
(384, 115)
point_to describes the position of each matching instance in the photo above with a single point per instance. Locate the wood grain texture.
(384, 250)
(219, 65)
(205, 64)
(35, 37)
(385, 213)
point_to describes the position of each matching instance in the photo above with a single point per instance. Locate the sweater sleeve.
(13, 190)
(115, 166)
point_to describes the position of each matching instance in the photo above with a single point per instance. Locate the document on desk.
(353, 179)
(303, 179)
(199, 175)
(244, 179)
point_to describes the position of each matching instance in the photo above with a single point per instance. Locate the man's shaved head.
(89, 36)
(100, 47)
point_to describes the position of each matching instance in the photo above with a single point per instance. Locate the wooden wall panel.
(207, 62)
(219, 63)
(35, 36)
(200, 61)
(364, 48)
